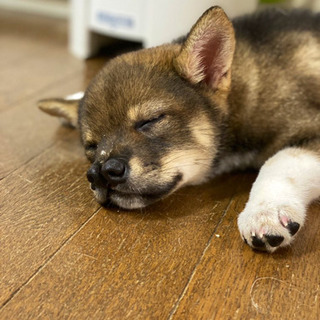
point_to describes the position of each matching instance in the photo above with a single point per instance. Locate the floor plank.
(122, 264)
(42, 204)
(23, 35)
(25, 132)
(34, 56)
(234, 282)
(62, 257)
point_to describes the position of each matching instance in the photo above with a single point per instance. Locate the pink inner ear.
(211, 55)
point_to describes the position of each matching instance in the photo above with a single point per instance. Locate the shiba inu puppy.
(231, 95)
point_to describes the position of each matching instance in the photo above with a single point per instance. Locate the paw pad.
(260, 243)
(274, 241)
(269, 228)
(257, 242)
(293, 227)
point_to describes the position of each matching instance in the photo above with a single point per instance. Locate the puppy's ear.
(207, 54)
(66, 109)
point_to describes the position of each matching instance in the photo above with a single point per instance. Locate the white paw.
(266, 226)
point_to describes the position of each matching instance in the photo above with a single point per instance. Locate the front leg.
(279, 199)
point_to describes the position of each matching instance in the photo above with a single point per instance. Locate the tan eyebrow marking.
(88, 136)
(145, 110)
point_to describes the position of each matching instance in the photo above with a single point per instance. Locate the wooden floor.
(62, 256)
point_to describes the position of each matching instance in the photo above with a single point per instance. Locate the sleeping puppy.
(231, 95)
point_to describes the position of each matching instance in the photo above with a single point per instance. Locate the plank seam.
(30, 97)
(7, 174)
(51, 257)
(174, 309)
(44, 150)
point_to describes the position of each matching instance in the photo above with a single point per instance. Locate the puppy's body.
(230, 96)
(275, 97)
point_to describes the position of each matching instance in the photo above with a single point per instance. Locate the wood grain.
(23, 35)
(125, 264)
(42, 204)
(64, 257)
(27, 43)
(25, 132)
(234, 282)
(34, 56)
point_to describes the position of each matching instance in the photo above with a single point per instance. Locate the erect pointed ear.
(66, 109)
(207, 54)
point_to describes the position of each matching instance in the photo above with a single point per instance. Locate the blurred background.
(94, 23)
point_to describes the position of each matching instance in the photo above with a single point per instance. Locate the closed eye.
(147, 124)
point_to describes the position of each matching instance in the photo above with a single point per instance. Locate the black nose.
(114, 171)
(93, 175)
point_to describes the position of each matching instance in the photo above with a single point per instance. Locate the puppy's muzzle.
(111, 173)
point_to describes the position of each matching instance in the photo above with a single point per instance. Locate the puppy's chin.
(101, 195)
(109, 198)
(129, 200)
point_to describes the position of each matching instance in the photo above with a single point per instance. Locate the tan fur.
(88, 136)
(203, 133)
(133, 113)
(64, 109)
(193, 163)
(148, 110)
(136, 165)
(307, 56)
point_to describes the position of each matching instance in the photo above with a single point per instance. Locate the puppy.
(231, 95)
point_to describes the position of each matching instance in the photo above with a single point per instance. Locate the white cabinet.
(151, 22)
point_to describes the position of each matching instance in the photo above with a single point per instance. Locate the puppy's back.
(275, 96)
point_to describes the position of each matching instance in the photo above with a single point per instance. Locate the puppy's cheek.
(194, 165)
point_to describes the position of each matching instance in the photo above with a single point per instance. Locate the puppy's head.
(150, 120)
